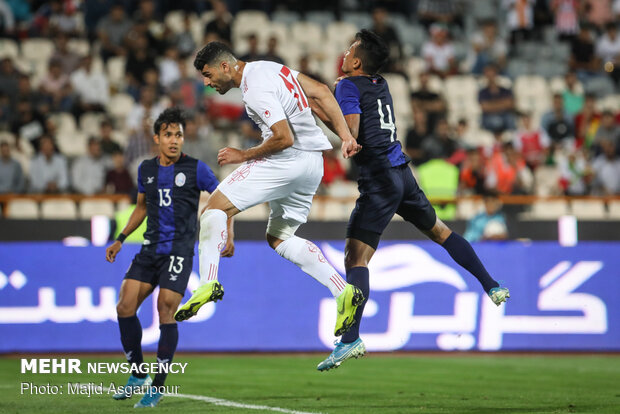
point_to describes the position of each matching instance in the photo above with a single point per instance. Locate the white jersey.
(271, 93)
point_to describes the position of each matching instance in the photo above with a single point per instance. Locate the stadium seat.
(285, 17)
(72, 144)
(90, 123)
(549, 209)
(257, 213)
(343, 189)
(468, 208)
(197, 28)
(281, 32)
(330, 210)
(120, 105)
(247, 22)
(174, 20)
(96, 207)
(414, 66)
(65, 123)
(532, 94)
(518, 67)
(361, 20)
(588, 209)
(610, 102)
(115, 69)
(307, 36)
(399, 89)
(614, 209)
(321, 17)
(340, 35)
(8, 48)
(547, 179)
(22, 208)
(58, 208)
(79, 46)
(600, 86)
(37, 49)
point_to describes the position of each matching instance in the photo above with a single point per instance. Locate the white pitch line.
(228, 403)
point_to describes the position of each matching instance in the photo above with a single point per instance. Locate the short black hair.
(169, 116)
(213, 52)
(372, 51)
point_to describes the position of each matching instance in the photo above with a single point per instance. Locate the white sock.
(212, 239)
(309, 258)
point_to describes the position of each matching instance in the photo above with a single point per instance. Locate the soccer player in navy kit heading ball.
(386, 184)
(169, 187)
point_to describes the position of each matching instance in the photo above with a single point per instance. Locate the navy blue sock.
(168, 339)
(462, 253)
(131, 338)
(357, 276)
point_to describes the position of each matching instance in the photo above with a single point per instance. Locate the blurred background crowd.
(506, 96)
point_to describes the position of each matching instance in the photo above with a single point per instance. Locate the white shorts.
(287, 180)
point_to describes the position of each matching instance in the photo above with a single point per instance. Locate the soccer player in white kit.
(284, 170)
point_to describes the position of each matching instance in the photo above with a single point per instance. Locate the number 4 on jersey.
(389, 124)
(291, 84)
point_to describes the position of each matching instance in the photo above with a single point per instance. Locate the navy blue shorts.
(165, 271)
(385, 193)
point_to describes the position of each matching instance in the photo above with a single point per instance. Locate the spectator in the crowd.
(222, 24)
(608, 50)
(587, 122)
(530, 141)
(169, 71)
(91, 88)
(56, 87)
(272, 51)
(416, 136)
(304, 67)
(252, 54)
(69, 60)
(140, 142)
(439, 11)
(149, 106)
(473, 173)
(572, 95)
(607, 131)
(184, 41)
(187, 91)
(28, 124)
(94, 11)
(197, 140)
(487, 47)
(438, 52)
(8, 78)
(48, 169)
(497, 103)
(558, 123)
(583, 59)
(566, 13)
(489, 224)
(520, 19)
(150, 23)
(606, 168)
(423, 99)
(440, 144)
(25, 92)
(597, 12)
(140, 60)
(88, 171)
(112, 31)
(117, 179)
(7, 20)
(108, 145)
(64, 18)
(332, 167)
(11, 174)
(575, 173)
(381, 27)
(508, 173)
(250, 132)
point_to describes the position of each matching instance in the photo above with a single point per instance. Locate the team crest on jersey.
(179, 180)
(267, 114)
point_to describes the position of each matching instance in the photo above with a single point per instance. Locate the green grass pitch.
(378, 383)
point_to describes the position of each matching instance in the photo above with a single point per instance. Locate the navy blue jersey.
(370, 97)
(172, 195)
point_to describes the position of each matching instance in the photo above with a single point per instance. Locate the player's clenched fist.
(350, 147)
(230, 156)
(112, 251)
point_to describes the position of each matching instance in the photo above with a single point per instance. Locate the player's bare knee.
(273, 241)
(125, 309)
(352, 260)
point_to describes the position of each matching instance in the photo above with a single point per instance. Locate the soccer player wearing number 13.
(386, 184)
(169, 187)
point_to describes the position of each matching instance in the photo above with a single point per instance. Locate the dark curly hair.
(372, 51)
(169, 116)
(213, 52)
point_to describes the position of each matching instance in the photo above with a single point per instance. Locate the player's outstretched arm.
(281, 139)
(327, 109)
(137, 217)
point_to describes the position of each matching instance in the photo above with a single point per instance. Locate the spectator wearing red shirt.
(332, 168)
(531, 142)
(587, 122)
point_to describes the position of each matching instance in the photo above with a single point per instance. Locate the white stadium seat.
(614, 209)
(8, 48)
(588, 209)
(468, 208)
(120, 105)
(340, 34)
(549, 209)
(96, 207)
(79, 46)
(37, 49)
(115, 70)
(307, 36)
(59, 208)
(22, 208)
(72, 144)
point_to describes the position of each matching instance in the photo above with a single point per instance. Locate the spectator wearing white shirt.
(91, 88)
(438, 52)
(48, 170)
(520, 18)
(88, 172)
(11, 174)
(607, 170)
(169, 71)
(487, 47)
(148, 107)
(608, 49)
